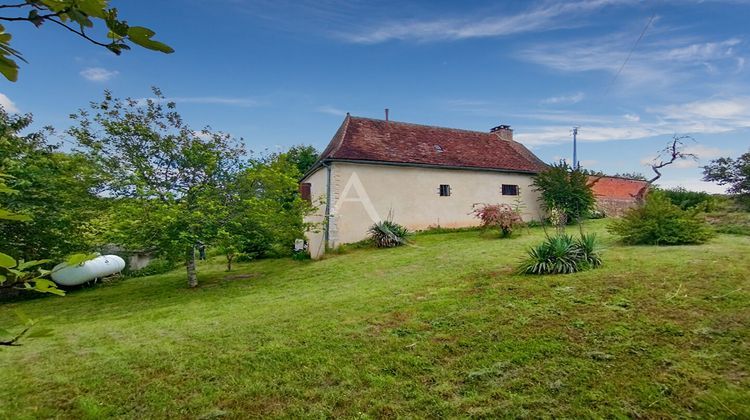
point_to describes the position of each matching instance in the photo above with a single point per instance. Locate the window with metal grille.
(445, 190)
(510, 189)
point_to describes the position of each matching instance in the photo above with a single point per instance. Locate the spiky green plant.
(388, 234)
(562, 254)
(590, 249)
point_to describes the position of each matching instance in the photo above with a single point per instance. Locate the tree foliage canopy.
(264, 214)
(171, 182)
(302, 157)
(732, 172)
(77, 17)
(54, 195)
(565, 189)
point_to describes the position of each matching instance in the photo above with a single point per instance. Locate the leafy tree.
(265, 212)
(76, 17)
(302, 156)
(170, 182)
(54, 192)
(27, 275)
(35, 172)
(565, 189)
(732, 172)
(229, 242)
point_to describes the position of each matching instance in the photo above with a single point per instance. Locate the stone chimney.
(503, 132)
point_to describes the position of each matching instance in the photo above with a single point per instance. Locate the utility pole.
(575, 157)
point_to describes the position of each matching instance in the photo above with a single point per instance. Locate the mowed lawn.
(440, 328)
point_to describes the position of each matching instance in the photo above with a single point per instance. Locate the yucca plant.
(562, 254)
(590, 249)
(387, 234)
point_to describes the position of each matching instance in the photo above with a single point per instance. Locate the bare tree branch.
(667, 156)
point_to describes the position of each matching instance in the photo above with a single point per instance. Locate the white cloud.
(658, 61)
(98, 74)
(564, 99)
(693, 185)
(702, 51)
(588, 163)
(7, 104)
(708, 116)
(632, 117)
(327, 109)
(561, 134)
(705, 152)
(545, 17)
(723, 109)
(740, 64)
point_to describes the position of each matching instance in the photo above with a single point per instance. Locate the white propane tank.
(102, 266)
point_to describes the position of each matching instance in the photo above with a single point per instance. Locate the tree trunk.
(230, 257)
(192, 277)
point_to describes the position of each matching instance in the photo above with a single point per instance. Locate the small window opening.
(304, 191)
(439, 148)
(445, 190)
(510, 189)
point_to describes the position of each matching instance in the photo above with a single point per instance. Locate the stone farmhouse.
(419, 176)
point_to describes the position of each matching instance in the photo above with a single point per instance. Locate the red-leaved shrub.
(500, 216)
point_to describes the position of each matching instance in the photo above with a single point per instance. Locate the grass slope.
(441, 328)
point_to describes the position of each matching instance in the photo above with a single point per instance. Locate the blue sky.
(281, 72)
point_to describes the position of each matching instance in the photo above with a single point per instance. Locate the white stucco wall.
(362, 193)
(315, 237)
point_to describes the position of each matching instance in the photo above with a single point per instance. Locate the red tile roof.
(371, 140)
(614, 187)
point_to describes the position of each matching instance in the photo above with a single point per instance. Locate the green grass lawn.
(440, 328)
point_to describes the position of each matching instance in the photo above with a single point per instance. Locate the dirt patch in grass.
(243, 276)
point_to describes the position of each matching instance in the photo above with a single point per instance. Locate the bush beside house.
(660, 222)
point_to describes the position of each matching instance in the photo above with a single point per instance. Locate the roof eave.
(319, 164)
(424, 165)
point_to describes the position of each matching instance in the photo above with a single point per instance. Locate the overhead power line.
(637, 41)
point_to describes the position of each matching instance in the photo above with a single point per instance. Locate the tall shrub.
(565, 189)
(659, 222)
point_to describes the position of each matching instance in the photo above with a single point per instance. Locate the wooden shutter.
(305, 191)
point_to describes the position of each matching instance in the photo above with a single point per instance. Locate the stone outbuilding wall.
(615, 195)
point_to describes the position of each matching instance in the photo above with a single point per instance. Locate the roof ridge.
(423, 125)
(344, 127)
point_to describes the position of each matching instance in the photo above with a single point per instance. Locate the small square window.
(510, 189)
(445, 190)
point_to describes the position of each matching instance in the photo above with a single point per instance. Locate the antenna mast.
(575, 152)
